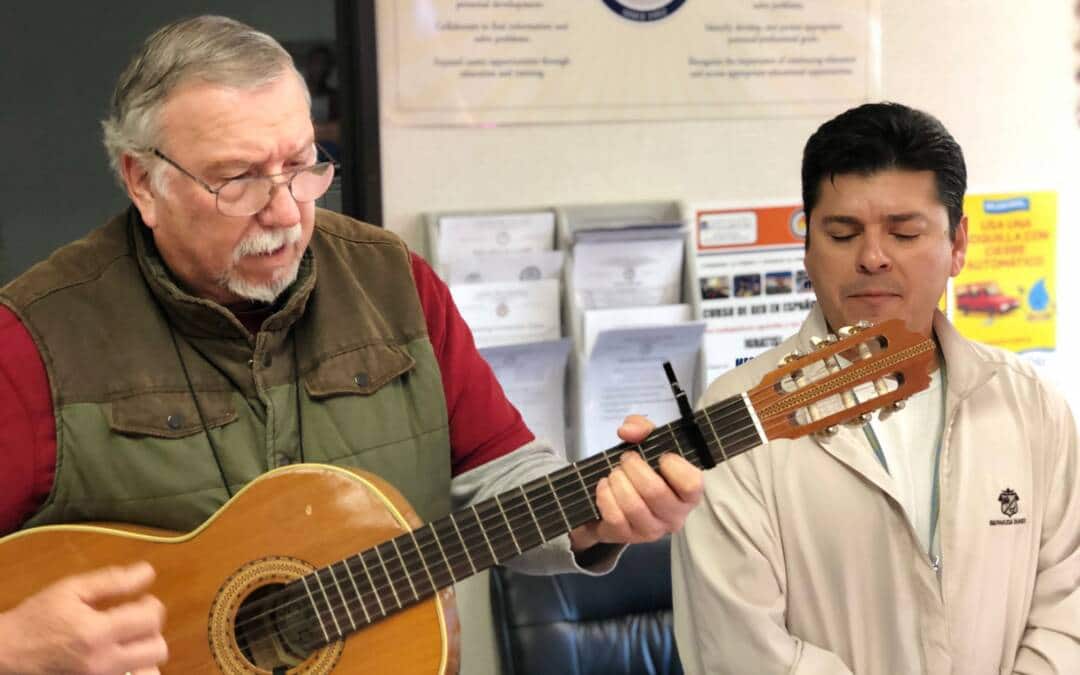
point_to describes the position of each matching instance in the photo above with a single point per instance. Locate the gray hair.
(209, 48)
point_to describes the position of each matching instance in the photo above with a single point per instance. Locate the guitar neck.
(365, 587)
(806, 394)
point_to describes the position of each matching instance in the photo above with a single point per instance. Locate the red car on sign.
(984, 297)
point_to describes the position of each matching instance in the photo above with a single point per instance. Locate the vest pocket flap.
(358, 371)
(170, 414)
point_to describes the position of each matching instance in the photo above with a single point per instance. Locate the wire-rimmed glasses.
(247, 195)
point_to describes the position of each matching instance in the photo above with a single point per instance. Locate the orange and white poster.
(754, 288)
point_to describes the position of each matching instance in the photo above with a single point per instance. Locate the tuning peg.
(791, 356)
(829, 431)
(816, 342)
(831, 339)
(862, 324)
(898, 405)
(847, 331)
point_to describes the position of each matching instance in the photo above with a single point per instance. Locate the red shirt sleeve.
(27, 426)
(483, 423)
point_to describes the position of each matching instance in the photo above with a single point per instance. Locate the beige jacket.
(800, 559)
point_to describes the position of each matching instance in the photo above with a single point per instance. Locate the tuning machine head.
(791, 356)
(829, 431)
(821, 343)
(895, 406)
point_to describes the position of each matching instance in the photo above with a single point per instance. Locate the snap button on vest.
(361, 380)
(175, 421)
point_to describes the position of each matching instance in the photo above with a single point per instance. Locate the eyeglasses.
(247, 195)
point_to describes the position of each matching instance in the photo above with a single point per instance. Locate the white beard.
(263, 241)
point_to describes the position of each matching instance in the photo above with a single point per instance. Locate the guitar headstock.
(843, 380)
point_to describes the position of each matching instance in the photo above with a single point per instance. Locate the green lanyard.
(935, 501)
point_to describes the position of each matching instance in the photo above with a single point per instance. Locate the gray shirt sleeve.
(532, 460)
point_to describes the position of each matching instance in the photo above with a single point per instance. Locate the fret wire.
(464, 547)
(576, 504)
(329, 603)
(389, 579)
(318, 613)
(746, 433)
(449, 568)
(359, 596)
(719, 442)
(371, 580)
(675, 438)
(587, 493)
(405, 569)
(423, 560)
(557, 503)
(509, 528)
(483, 531)
(341, 593)
(721, 414)
(532, 513)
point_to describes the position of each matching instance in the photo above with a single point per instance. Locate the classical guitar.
(272, 583)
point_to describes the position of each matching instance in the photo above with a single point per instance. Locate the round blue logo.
(644, 10)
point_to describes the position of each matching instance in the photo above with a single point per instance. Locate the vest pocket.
(170, 414)
(363, 370)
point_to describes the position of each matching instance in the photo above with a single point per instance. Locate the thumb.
(112, 582)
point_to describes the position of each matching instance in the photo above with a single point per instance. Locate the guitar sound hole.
(274, 627)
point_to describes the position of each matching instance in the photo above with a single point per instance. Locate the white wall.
(998, 74)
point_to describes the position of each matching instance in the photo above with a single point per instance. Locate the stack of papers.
(505, 278)
(503, 274)
(629, 317)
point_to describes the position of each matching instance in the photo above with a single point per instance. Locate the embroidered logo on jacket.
(1010, 506)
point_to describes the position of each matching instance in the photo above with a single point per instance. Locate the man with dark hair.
(222, 327)
(944, 538)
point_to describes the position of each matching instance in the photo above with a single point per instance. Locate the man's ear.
(140, 188)
(959, 247)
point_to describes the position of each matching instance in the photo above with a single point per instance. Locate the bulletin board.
(1002, 81)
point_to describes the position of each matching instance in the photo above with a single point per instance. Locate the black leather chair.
(572, 624)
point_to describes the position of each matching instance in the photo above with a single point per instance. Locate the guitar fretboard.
(352, 593)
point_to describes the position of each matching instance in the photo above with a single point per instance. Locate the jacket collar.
(966, 372)
(197, 317)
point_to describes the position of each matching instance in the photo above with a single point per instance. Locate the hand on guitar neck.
(638, 504)
(98, 622)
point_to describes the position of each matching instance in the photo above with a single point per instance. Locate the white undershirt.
(909, 440)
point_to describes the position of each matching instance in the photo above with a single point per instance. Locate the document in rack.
(598, 320)
(510, 312)
(495, 234)
(520, 267)
(533, 376)
(627, 273)
(624, 375)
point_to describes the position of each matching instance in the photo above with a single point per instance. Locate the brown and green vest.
(109, 322)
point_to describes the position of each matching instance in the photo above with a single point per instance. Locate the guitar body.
(278, 528)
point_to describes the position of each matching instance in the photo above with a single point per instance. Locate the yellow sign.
(1006, 294)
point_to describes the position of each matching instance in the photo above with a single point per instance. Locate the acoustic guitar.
(272, 583)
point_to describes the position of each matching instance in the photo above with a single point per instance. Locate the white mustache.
(265, 241)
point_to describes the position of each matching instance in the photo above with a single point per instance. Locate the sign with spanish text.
(1006, 294)
(754, 288)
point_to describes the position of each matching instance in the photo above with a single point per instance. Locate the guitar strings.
(551, 517)
(520, 510)
(512, 518)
